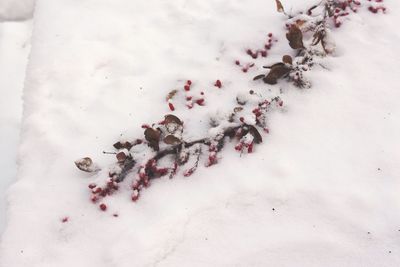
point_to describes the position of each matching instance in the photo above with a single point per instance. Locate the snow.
(322, 189)
(14, 48)
(16, 9)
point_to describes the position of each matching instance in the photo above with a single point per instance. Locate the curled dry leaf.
(237, 109)
(295, 37)
(277, 71)
(261, 76)
(171, 94)
(153, 137)
(287, 59)
(172, 119)
(279, 6)
(120, 145)
(172, 140)
(86, 165)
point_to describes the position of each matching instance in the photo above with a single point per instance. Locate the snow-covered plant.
(165, 150)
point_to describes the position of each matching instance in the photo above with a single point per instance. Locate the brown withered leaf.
(172, 140)
(171, 94)
(86, 165)
(121, 157)
(237, 109)
(295, 37)
(279, 6)
(277, 71)
(254, 132)
(172, 119)
(258, 77)
(287, 59)
(120, 145)
(153, 137)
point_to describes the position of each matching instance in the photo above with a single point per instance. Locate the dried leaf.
(295, 37)
(171, 94)
(172, 140)
(237, 109)
(120, 145)
(258, 77)
(287, 59)
(172, 119)
(153, 137)
(121, 156)
(86, 165)
(279, 6)
(254, 132)
(278, 71)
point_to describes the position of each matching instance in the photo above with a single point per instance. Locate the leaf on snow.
(278, 71)
(258, 77)
(279, 6)
(295, 37)
(153, 137)
(171, 94)
(172, 119)
(120, 145)
(287, 59)
(86, 165)
(172, 140)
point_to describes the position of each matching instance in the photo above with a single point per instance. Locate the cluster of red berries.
(190, 99)
(376, 6)
(146, 172)
(263, 52)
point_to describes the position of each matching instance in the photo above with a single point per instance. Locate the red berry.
(171, 106)
(200, 101)
(64, 220)
(135, 196)
(92, 185)
(245, 69)
(189, 82)
(218, 84)
(103, 206)
(241, 119)
(250, 148)
(237, 62)
(202, 93)
(187, 87)
(115, 215)
(263, 53)
(270, 35)
(188, 98)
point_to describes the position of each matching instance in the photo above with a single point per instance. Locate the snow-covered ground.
(322, 190)
(14, 49)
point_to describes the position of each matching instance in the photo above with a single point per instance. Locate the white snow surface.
(16, 9)
(321, 190)
(14, 48)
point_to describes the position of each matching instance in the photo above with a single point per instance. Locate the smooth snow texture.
(14, 48)
(322, 190)
(16, 9)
